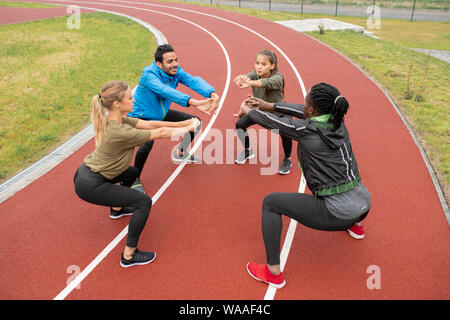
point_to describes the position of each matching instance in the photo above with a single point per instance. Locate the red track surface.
(206, 225)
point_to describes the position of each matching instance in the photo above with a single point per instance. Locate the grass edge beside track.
(36, 118)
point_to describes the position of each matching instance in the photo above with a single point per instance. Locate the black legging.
(172, 116)
(244, 122)
(304, 208)
(95, 188)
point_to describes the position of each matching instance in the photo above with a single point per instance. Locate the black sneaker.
(137, 186)
(244, 156)
(285, 167)
(190, 158)
(125, 211)
(138, 258)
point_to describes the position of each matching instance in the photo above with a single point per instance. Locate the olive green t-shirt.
(272, 87)
(115, 153)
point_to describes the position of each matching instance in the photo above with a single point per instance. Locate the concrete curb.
(38, 169)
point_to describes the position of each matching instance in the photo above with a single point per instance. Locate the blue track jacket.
(156, 91)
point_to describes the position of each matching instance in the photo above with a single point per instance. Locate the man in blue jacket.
(155, 93)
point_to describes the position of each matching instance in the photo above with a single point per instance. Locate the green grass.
(50, 73)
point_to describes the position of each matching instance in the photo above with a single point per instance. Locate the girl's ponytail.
(98, 118)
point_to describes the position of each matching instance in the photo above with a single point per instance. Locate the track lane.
(312, 265)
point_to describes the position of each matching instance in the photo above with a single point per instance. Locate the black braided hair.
(327, 99)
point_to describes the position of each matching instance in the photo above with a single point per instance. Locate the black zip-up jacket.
(325, 155)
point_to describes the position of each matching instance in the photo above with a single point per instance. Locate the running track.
(205, 226)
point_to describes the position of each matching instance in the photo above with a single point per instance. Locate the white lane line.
(83, 274)
(270, 293)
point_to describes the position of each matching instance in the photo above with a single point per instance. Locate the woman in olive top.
(267, 84)
(116, 136)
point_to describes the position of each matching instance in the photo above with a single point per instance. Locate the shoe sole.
(278, 286)
(354, 235)
(122, 215)
(245, 160)
(181, 160)
(137, 263)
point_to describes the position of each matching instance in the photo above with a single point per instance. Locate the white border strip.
(44, 165)
(81, 276)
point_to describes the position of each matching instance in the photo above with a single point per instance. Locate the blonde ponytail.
(101, 103)
(98, 118)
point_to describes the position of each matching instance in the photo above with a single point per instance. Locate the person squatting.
(339, 200)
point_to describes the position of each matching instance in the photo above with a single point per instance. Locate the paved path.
(390, 13)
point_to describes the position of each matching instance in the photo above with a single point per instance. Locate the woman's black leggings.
(244, 122)
(94, 188)
(304, 208)
(171, 116)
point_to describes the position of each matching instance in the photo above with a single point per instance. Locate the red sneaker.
(261, 272)
(356, 232)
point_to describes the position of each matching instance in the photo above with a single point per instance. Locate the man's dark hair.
(164, 48)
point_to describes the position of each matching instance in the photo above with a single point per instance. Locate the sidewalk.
(386, 13)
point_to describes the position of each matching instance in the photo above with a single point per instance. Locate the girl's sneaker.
(261, 272)
(285, 167)
(138, 258)
(356, 232)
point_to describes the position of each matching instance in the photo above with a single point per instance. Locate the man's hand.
(202, 105)
(215, 99)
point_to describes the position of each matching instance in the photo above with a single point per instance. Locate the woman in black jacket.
(339, 201)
